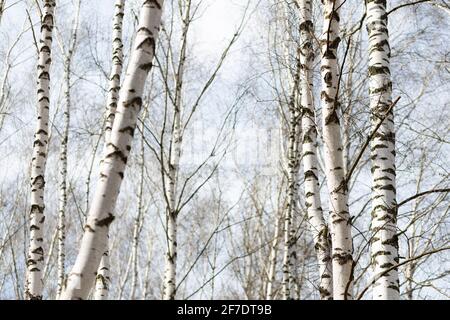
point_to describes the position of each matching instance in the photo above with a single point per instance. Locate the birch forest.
(224, 149)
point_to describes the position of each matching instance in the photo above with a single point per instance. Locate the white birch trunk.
(334, 166)
(169, 290)
(111, 106)
(35, 257)
(273, 259)
(63, 185)
(138, 220)
(292, 190)
(289, 256)
(116, 69)
(63, 156)
(112, 169)
(384, 204)
(293, 164)
(313, 203)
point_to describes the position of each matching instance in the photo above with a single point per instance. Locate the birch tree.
(35, 258)
(62, 206)
(112, 169)
(116, 69)
(288, 95)
(170, 179)
(179, 187)
(292, 211)
(137, 228)
(384, 205)
(313, 203)
(103, 278)
(334, 166)
(273, 258)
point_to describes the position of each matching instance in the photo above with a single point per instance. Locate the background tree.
(35, 258)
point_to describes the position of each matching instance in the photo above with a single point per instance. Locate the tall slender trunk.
(63, 156)
(169, 290)
(289, 267)
(116, 69)
(63, 183)
(342, 246)
(169, 284)
(292, 189)
(313, 203)
(35, 257)
(146, 285)
(111, 106)
(413, 238)
(112, 169)
(273, 258)
(139, 218)
(384, 204)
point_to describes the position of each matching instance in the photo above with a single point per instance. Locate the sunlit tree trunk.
(313, 203)
(334, 166)
(35, 258)
(113, 166)
(384, 204)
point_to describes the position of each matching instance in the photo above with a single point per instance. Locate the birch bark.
(289, 267)
(171, 179)
(138, 221)
(35, 257)
(273, 258)
(384, 204)
(342, 246)
(63, 184)
(63, 154)
(292, 192)
(116, 69)
(313, 203)
(103, 278)
(112, 169)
